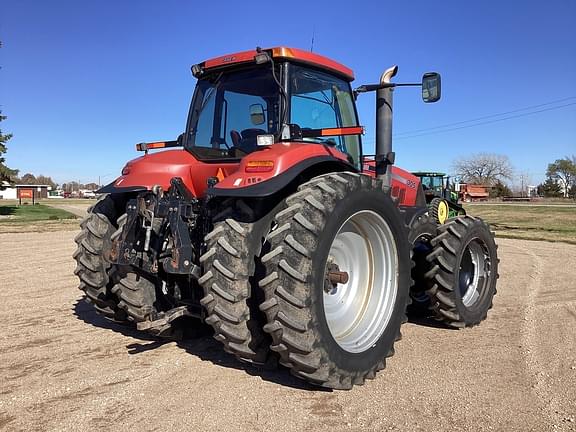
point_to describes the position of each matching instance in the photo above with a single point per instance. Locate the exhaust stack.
(384, 103)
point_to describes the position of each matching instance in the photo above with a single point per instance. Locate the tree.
(484, 168)
(500, 190)
(91, 186)
(45, 180)
(564, 172)
(72, 186)
(550, 189)
(28, 179)
(5, 173)
(572, 192)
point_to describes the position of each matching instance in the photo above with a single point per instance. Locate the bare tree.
(484, 168)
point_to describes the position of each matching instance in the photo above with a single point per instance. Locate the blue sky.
(82, 82)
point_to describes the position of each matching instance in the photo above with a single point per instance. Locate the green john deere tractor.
(440, 195)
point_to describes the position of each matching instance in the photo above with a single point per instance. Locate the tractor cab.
(251, 100)
(437, 184)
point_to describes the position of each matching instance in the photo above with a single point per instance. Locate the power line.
(486, 122)
(485, 117)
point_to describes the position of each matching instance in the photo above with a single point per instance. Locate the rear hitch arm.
(180, 212)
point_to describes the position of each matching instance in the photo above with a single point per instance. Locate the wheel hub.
(474, 270)
(360, 282)
(334, 277)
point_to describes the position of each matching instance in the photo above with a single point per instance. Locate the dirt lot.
(62, 367)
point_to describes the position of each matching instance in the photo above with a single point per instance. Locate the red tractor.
(270, 224)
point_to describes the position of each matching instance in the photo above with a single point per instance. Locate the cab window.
(319, 100)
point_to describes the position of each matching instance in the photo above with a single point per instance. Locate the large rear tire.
(231, 270)
(465, 271)
(336, 334)
(95, 273)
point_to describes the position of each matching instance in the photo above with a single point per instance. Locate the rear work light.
(150, 146)
(265, 140)
(259, 166)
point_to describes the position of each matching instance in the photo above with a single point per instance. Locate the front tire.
(336, 334)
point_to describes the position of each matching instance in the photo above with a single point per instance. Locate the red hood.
(158, 168)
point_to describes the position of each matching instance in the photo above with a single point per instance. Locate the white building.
(8, 193)
(39, 191)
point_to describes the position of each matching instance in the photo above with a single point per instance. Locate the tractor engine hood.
(258, 174)
(159, 168)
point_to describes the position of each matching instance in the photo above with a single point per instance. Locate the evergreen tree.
(5, 173)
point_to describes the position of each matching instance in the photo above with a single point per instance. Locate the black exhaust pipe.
(384, 153)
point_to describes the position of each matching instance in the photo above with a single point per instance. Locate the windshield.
(433, 183)
(229, 110)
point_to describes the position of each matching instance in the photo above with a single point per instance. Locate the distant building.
(25, 192)
(473, 192)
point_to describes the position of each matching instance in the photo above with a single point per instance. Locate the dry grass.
(529, 222)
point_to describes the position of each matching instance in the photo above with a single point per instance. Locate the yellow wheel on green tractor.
(439, 210)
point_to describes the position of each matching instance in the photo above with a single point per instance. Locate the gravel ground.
(63, 367)
(79, 209)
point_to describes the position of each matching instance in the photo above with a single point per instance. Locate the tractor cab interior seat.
(246, 140)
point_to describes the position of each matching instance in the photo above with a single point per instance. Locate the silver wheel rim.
(474, 271)
(358, 311)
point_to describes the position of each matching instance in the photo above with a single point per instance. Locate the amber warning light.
(259, 166)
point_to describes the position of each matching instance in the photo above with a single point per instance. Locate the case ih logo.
(228, 59)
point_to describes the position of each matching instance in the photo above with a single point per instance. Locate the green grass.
(13, 213)
(530, 222)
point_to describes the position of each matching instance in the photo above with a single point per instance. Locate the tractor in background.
(441, 195)
(265, 220)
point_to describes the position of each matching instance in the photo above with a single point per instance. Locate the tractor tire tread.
(290, 323)
(443, 297)
(93, 271)
(228, 266)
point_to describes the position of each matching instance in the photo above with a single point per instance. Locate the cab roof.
(428, 174)
(286, 53)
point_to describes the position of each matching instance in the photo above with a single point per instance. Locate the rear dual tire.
(231, 293)
(96, 275)
(331, 341)
(464, 272)
(421, 232)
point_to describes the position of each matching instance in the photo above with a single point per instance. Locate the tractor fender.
(308, 168)
(271, 169)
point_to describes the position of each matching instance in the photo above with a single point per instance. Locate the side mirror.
(257, 114)
(431, 87)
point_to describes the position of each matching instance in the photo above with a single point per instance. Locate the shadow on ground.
(419, 314)
(198, 341)
(8, 210)
(428, 321)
